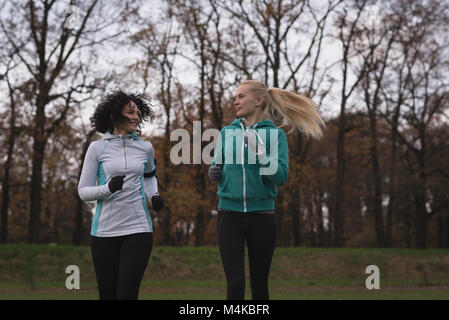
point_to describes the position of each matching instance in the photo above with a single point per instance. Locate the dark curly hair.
(109, 111)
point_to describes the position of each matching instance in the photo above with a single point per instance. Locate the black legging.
(259, 231)
(120, 263)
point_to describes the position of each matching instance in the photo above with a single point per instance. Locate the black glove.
(116, 183)
(215, 173)
(157, 202)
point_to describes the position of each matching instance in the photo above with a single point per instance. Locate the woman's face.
(245, 102)
(131, 112)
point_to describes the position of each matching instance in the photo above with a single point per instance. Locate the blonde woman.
(250, 161)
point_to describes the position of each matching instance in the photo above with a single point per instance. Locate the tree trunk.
(279, 218)
(446, 232)
(392, 182)
(79, 228)
(377, 180)
(79, 212)
(339, 199)
(420, 197)
(166, 215)
(421, 221)
(6, 174)
(199, 227)
(39, 143)
(295, 212)
(319, 205)
(441, 231)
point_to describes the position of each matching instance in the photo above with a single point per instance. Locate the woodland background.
(377, 69)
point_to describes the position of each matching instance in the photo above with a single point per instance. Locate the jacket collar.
(264, 123)
(108, 136)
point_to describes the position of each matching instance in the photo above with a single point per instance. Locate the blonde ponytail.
(291, 109)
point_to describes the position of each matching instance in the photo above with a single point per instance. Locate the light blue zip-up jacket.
(124, 211)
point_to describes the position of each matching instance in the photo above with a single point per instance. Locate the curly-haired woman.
(119, 172)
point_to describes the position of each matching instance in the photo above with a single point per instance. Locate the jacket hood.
(261, 124)
(108, 136)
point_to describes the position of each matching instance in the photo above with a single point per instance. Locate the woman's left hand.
(156, 202)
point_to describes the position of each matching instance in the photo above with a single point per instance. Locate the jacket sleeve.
(88, 190)
(218, 153)
(274, 166)
(149, 174)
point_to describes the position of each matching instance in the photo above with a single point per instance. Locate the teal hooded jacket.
(249, 182)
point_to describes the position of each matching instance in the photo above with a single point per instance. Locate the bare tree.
(203, 33)
(13, 130)
(381, 37)
(418, 91)
(271, 24)
(348, 29)
(45, 40)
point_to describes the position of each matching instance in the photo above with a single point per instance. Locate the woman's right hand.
(116, 183)
(215, 173)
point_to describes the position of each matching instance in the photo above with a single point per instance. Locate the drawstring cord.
(245, 137)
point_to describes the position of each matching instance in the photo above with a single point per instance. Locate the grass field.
(195, 273)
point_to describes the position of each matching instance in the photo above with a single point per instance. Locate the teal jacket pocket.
(256, 186)
(231, 184)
